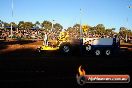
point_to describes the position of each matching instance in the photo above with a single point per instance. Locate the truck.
(102, 46)
(96, 46)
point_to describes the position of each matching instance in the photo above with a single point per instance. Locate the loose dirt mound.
(9, 46)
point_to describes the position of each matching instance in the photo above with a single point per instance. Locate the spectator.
(45, 39)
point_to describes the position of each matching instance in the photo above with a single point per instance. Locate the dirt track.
(21, 67)
(8, 46)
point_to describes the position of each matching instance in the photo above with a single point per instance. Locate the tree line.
(49, 26)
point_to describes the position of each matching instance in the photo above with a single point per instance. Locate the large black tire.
(108, 52)
(97, 52)
(66, 49)
(88, 48)
(38, 52)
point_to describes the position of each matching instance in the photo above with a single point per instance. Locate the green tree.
(28, 25)
(100, 29)
(109, 31)
(69, 29)
(21, 25)
(76, 28)
(123, 31)
(129, 33)
(92, 30)
(13, 24)
(1, 24)
(57, 27)
(47, 25)
(6, 24)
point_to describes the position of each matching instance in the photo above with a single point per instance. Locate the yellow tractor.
(62, 39)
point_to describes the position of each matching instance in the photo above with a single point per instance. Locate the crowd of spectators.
(26, 34)
(39, 34)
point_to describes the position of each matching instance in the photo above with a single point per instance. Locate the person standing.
(45, 39)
